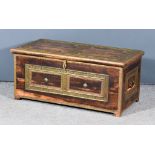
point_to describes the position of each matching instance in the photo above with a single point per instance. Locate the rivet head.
(85, 85)
(46, 79)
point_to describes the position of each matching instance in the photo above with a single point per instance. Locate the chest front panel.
(61, 81)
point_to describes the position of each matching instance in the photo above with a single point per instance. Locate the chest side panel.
(75, 84)
(131, 87)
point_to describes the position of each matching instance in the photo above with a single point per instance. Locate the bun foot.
(17, 98)
(118, 113)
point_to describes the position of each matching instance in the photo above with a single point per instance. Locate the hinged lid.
(79, 52)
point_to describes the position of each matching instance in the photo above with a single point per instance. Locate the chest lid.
(79, 52)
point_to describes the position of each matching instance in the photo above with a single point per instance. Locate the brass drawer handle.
(85, 85)
(46, 79)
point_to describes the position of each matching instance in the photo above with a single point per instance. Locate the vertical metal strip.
(106, 88)
(64, 82)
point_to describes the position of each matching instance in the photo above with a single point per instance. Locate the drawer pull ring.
(85, 85)
(46, 79)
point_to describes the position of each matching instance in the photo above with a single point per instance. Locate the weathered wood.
(79, 52)
(121, 67)
(113, 86)
(86, 85)
(135, 96)
(46, 79)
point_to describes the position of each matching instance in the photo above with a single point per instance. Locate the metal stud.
(46, 79)
(85, 85)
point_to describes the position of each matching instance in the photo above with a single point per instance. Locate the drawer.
(42, 79)
(46, 79)
(88, 85)
(67, 82)
(83, 84)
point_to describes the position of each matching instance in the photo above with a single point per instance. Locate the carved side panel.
(131, 83)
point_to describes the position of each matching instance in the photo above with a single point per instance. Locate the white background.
(77, 140)
(77, 14)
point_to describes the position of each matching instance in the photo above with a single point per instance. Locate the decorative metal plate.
(65, 82)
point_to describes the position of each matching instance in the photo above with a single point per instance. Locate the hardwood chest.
(81, 75)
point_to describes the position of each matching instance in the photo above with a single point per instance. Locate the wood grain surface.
(80, 52)
(122, 67)
(112, 72)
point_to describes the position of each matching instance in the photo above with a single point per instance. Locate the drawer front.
(67, 82)
(85, 85)
(42, 79)
(88, 85)
(46, 79)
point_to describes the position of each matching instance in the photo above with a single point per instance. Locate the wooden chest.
(81, 75)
